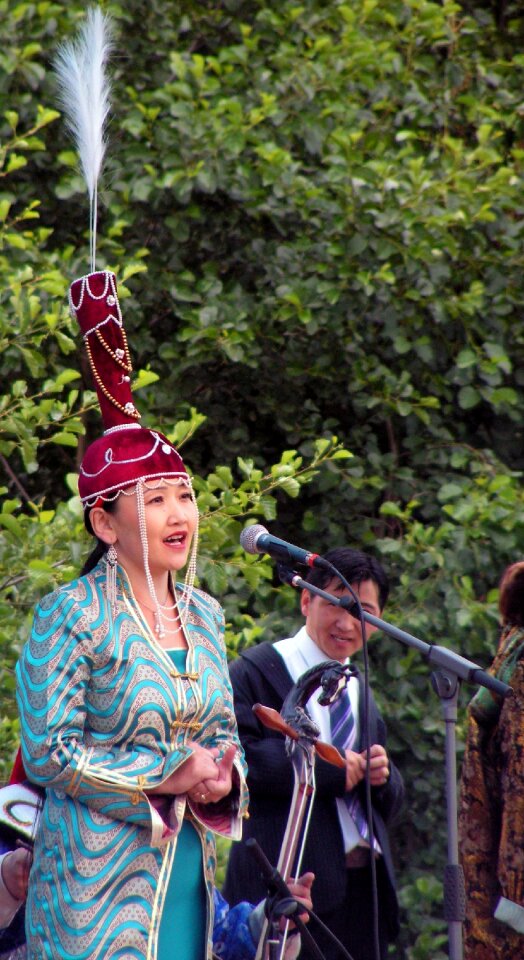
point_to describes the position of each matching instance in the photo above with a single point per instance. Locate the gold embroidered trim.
(136, 797)
(191, 725)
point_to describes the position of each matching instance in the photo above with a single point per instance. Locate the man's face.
(331, 627)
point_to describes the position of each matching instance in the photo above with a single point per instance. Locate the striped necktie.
(342, 722)
(343, 733)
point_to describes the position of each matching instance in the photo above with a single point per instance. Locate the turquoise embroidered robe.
(104, 717)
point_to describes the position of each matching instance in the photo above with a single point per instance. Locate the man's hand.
(15, 872)
(300, 890)
(356, 765)
(355, 769)
(378, 765)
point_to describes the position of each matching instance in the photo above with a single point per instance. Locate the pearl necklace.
(160, 629)
(163, 606)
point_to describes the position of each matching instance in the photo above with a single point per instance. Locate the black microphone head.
(249, 537)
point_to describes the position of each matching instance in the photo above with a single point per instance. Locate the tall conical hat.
(127, 452)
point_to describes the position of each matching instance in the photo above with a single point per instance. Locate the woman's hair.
(98, 551)
(511, 595)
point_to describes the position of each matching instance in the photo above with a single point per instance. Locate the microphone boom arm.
(440, 657)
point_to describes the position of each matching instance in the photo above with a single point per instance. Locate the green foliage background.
(315, 212)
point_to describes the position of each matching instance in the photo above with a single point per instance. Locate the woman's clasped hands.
(206, 775)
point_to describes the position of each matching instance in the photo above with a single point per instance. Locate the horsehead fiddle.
(302, 745)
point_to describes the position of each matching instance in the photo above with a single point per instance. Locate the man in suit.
(337, 849)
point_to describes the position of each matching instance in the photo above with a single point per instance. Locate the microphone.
(257, 539)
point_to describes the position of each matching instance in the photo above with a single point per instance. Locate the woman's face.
(171, 519)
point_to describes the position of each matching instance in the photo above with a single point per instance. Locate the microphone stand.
(450, 669)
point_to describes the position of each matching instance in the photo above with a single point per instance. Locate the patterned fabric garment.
(232, 934)
(104, 716)
(491, 816)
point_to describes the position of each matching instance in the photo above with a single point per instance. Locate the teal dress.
(183, 928)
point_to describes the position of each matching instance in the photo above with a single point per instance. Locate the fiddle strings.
(308, 794)
(303, 794)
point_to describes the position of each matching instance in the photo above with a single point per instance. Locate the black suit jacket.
(260, 676)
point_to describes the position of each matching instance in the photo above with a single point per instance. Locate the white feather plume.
(84, 95)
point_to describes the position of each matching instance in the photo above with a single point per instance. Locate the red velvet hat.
(127, 452)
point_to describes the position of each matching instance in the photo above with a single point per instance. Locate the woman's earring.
(111, 562)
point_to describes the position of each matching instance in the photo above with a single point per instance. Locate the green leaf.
(12, 118)
(65, 439)
(17, 241)
(46, 115)
(145, 378)
(465, 359)
(468, 398)
(449, 491)
(40, 566)
(289, 485)
(11, 524)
